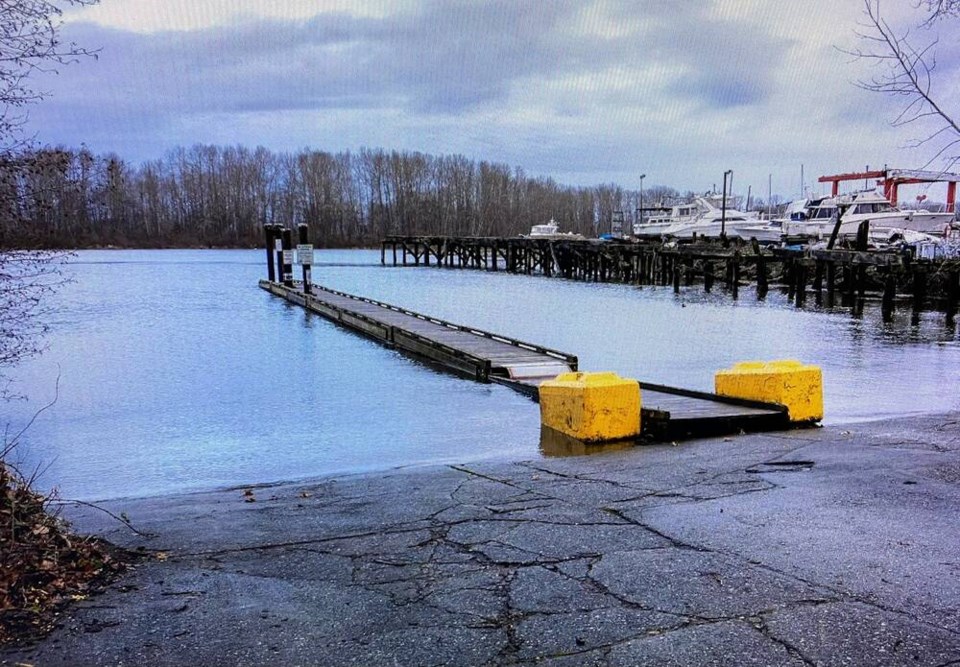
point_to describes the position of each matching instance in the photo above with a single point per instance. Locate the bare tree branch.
(939, 9)
(30, 43)
(906, 71)
(28, 278)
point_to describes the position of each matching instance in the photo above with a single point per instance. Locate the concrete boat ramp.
(832, 546)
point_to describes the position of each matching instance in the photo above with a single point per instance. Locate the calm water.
(178, 373)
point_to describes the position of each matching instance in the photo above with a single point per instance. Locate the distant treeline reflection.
(221, 196)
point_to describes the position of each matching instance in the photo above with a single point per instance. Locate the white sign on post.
(305, 253)
(288, 257)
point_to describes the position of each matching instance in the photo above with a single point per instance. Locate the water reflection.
(556, 444)
(178, 373)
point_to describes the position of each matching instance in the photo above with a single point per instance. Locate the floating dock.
(668, 413)
(484, 356)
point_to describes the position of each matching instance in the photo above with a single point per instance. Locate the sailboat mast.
(769, 193)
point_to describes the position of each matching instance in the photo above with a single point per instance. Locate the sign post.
(304, 254)
(616, 224)
(287, 255)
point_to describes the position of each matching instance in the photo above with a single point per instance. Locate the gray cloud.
(564, 85)
(444, 58)
(728, 64)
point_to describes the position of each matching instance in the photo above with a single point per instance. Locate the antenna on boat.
(769, 193)
(723, 215)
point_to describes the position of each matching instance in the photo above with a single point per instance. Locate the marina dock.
(667, 413)
(838, 277)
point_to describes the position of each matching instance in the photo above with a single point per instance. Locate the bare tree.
(29, 43)
(27, 277)
(904, 65)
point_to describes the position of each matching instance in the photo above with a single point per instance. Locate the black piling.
(801, 288)
(735, 276)
(953, 296)
(919, 293)
(831, 283)
(278, 250)
(270, 238)
(818, 281)
(790, 277)
(888, 303)
(762, 286)
(849, 285)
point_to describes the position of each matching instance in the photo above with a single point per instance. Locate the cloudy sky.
(583, 91)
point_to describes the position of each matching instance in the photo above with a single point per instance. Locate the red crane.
(894, 178)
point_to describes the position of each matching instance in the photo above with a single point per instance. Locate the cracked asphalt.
(834, 546)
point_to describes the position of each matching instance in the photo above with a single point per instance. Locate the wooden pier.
(484, 356)
(668, 413)
(841, 277)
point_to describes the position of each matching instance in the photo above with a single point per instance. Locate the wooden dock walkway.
(668, 413)
(479, 354)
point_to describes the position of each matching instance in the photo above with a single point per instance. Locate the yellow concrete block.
(592, 407)
(787, 382)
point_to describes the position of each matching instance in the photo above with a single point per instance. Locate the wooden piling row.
(854, 274)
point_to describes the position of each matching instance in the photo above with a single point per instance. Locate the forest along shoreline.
(214, 196)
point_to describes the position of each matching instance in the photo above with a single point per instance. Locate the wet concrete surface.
(835, 546)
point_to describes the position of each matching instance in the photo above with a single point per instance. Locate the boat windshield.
(880, 207)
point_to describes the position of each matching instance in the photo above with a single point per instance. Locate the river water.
(177, 373)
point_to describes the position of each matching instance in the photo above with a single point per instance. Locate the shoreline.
(177, 247)
(822, 546)
(439, 464)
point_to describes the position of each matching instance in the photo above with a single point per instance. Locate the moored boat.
(871, 206)
(705, 217)
(549, 229)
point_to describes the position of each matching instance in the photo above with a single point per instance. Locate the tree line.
(222, 196)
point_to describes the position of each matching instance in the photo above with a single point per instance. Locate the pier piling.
(889, 293)
(270, 238)
(953, 296)
(919, 293)
(852, 272)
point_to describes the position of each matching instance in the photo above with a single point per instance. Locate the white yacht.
(656, 226)
(705, 217)
(813, 218)
(816, 218)
(872, 206)
(549, 229)
(765, 231)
